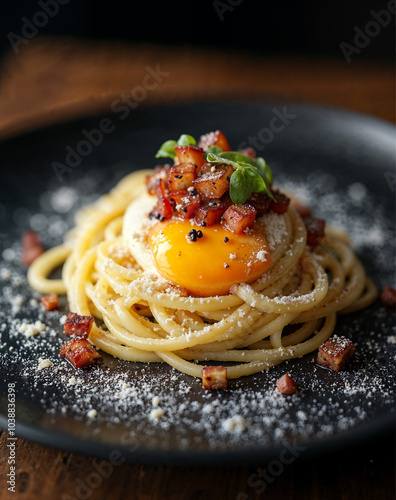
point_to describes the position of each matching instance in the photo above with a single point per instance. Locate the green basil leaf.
(211, 149)
(256, 181)
(236, 157)
(240, 187)
(214, 149)
(214, 158)
(186, 140)
(167, 150)
(263, 169)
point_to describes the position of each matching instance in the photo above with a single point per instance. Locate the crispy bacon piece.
(214, 377)
(286, 384)
(190, 154)
(335, 353)
(261, 202)
(184, 203)
(214, 184)
(237, 218)
(388, 296)
(206, 168)
(163, 208)
(160, 172)
(78, 325)
(79, 352)
(315, 230)
(216, 138)
(248, 151)
(32, 247)
(281, 203)
(210, 213)
(181, 176)
(302, 209)
(50, 301)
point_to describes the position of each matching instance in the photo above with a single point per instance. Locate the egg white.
(136, 228)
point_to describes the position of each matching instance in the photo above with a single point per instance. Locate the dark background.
(281, 27)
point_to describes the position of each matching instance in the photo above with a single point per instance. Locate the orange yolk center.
(211, 264)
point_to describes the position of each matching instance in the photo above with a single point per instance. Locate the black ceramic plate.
(341, 163)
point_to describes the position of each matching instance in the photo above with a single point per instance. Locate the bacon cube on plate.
(286, 385)
(78, 325)
(238, 218)
(181, 176)
(214, 377)
(214, 184)
(32, 247)
(315, 230)
(79, 352)
(216, 138)
(261, 202)
(184, 203)
(163, 208)
(210, 213)
(50, 301)
(189, 154)
(160, 172)
(388, 296)
(248, 151)
(281, 203)
(335, 353)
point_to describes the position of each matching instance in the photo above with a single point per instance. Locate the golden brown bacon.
(388, 296)
(193, 188)
(50, 301)
(210, 213)
(315, 230)
(163, 208)
(238, 218)
(184, 204)
(281, 203)
(335, 353)
(79, 352)
(181, 176)
(214, 377)
(261, 202)
(78, 325)
(286, 384)
(190, 154)
(248, 151)
(214, 184)
(160, 172)
(32, 247)
(216, 138)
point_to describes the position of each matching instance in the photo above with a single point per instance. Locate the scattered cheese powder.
(235, 424)
(32, 329)
(157, 413)
(44, 363)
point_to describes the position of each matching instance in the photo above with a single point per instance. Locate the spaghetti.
(286, 313)
(302, 287)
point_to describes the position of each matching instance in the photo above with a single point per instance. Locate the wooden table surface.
(57, 79)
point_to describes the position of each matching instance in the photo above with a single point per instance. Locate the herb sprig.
(251, 175)
(167, 150)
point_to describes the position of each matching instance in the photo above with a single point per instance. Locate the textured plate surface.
(341, 163)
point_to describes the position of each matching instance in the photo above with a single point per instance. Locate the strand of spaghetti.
(113, 229)
(107, 343)
(370, 294)
(289, 304)
(294, 338)
(353, 290)
(43, 266)
(263, 359)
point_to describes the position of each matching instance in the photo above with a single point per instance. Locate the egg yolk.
(212, 263)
